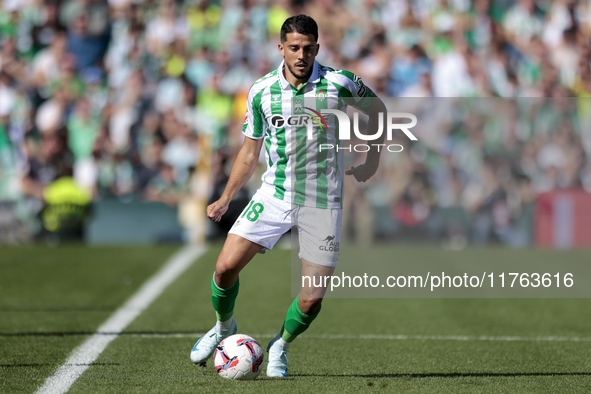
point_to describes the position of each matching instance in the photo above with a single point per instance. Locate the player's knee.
(225, 271)
(309, 306)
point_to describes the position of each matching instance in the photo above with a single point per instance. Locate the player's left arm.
(365, 171)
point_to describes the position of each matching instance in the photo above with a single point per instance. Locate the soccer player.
(302, 185)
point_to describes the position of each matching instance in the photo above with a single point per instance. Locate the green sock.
(223, 300)
(296, 322)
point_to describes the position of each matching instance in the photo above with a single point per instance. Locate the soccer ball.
(238, 357)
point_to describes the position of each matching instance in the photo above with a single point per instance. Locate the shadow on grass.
(58, 309)
(445, 375)
(48, 365)
(78, 333)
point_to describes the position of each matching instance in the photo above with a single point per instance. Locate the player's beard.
(298, 75)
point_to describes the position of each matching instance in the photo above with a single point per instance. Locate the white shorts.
(266, 218)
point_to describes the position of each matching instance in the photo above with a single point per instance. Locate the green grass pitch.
(52, 299)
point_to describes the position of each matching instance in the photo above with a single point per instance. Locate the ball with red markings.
(238, 357)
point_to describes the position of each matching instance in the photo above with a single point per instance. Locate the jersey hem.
(269, 191)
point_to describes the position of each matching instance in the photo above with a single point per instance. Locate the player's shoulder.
(257, 89)
(337, 75)
(260, 85)
(347, 83)
(265, 81)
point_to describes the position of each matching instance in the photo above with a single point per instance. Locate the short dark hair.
(302, 24)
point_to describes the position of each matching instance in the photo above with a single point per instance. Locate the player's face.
(299, 52)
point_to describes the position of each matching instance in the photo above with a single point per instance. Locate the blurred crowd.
(473, 175)
(127, 96)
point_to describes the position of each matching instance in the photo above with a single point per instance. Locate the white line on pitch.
(88, 352)
(394, 337)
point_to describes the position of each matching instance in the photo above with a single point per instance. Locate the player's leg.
(306, 306)
(235, 254)
(258, 228)
(300, 315)
(319, 233)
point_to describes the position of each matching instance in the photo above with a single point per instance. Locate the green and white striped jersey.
(297, 171)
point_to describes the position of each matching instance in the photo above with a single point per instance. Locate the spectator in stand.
(129, 88)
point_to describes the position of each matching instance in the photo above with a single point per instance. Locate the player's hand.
(363, 172)
(216, 210)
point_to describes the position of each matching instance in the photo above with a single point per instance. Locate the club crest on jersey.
(321, 95)
(297, 106)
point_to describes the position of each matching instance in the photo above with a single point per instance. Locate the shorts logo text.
(330, 245)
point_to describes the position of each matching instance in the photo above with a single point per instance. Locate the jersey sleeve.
(362, 95)
(255, 125)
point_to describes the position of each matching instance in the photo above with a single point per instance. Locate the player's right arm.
(242, 170)
(254, 130)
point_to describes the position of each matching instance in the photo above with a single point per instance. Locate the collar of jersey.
(314, 77)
